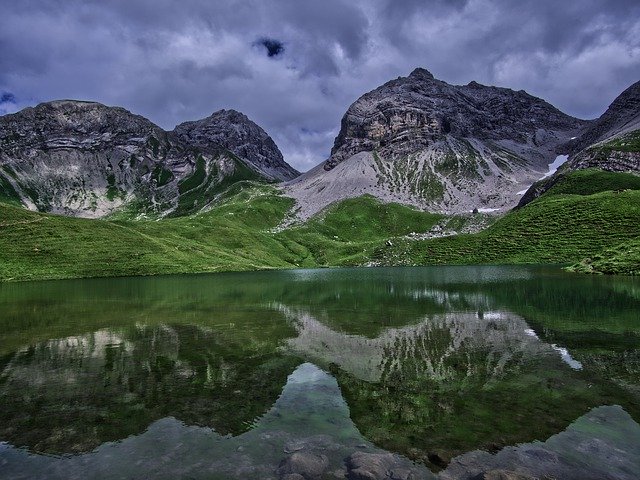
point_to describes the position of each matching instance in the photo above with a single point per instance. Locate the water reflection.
(426, 363)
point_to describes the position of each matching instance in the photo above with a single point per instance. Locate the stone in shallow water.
(378, 466)
(502, 475)
(304, 464)
(604, 443)
(292, 476)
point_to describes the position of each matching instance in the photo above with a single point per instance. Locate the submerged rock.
(307, 465)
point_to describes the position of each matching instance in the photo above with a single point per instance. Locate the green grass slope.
(573, 221)
(622, 259)
(233, 237)
(554, 229)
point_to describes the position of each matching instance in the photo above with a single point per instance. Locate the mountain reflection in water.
(230, 374)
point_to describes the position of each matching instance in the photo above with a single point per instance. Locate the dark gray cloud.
(294, 66)
(273, 47)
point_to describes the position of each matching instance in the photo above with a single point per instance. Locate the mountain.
(90, 160)
(448, 148)
(235, 132)
(610, 143)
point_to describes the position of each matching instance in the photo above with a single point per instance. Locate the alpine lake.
(365, 373)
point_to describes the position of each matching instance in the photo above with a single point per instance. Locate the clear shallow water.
(461, 369)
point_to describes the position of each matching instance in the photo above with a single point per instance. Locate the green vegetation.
(348, 233)
(623, 259)
(590, 181)
(573, 221)
(199, 189)
(161, 175)
(8, 193)
(554, 229)
(155, 145)
(112, 189)
(194, 180)
(626, 143)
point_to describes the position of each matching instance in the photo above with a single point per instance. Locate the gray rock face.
(623, 115)
(610, 143)
(235, 132)
(406, 115)
(421, 141)
(87, 159)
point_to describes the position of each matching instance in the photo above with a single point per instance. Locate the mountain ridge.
(84, 158)
(610, 143)
(440, 147)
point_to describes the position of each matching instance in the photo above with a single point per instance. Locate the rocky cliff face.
(622, 116)
(611, 143)
(87, 159)
(235, 132)
(421, 141)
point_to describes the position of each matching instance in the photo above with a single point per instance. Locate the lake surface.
(454, 372)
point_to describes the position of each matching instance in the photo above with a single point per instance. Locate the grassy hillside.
(622, 259)
(233, 237)
(553, 229)
(573, 221)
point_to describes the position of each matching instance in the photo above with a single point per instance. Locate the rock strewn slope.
(611, 143)
(421, 141)
(87, 159)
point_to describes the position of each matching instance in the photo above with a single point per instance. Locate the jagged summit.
(87, 159)
(234, 131)
(421, 73)
(422, 141)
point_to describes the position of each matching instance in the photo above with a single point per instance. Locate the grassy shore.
(590, 217)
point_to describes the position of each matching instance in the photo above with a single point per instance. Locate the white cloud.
(177, 61)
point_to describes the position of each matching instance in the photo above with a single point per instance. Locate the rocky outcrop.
(622, 116)
(235, 132)
(87, 159)
(424, 142)
(610, 143)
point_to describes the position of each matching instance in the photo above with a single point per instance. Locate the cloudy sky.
(294, 66)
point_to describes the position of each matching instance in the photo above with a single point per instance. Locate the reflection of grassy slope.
(595, 317)
(201, 377)
(421, 417)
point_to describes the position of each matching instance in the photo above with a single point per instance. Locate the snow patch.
(553, 168)
(567, 358)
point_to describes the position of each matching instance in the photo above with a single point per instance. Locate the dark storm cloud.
(7, 97)
(173, 61)
(272, 46)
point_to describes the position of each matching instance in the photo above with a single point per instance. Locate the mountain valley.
(422, 172)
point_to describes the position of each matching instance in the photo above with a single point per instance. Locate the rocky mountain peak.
(73, 124)
(235, 132)
(88, 159)
(623, 115)
(411, 113)
(421, 73)
(447, 148)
